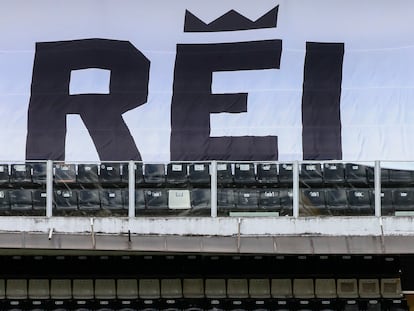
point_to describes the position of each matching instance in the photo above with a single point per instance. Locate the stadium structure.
(188, 155)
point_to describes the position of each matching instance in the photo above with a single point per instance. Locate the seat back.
(193, 288)
(16, 289)
(39, 289)
(325, 288)
(391, 288)
(369, 288)
(127, 288)
(171, 288)
(237, 288)
(105, 289)
(281, 288)
(149, 289)
(303, 288)
(83, 289)
(60, 289)
(259, 288)
(215, 288)
(347, 288)
(179, 199)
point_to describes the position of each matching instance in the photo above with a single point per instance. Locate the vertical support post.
(49, 188)
(213, 173)
(295, 172)
(377, 188)
(131, 189)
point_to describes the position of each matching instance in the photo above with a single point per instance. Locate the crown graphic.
(230, 21)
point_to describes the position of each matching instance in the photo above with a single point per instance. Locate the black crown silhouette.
(230, 21)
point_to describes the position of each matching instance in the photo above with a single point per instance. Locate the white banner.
(191, 80)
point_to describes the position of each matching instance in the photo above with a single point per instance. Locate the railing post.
(295, 173)
(131, 189)
(213, 173)
(49, 188)
(377, 188)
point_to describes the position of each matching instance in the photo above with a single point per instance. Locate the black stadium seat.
(199, 173)
(154, 174)
(156, 199)
(21, 199)
(87, 174)
(139, 173)
(313, 200)
(403, 199)
(89, 200)
(244, 174)
(177, 173)
(111, 199)
(110, 173)
(39, 175)
(65, 173)
(4, 173)
(66, 200)
(247, 199)
(333, 173)
(310, 174)
(224, 174)
(269, 199)
(336, 201)
(226, 198)
(359, 202)
(286, 173)
(200, 199)
(39, 199)
(21, 173)
(356, 174)
(267, 174)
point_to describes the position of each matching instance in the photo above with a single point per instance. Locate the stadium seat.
(89, 200)
(401, 177)
(391, 288)
(269, 199)
(199, 174)
(87, 174)
(356, 174)
(359, 202)
(177, 174)
(259, 288)
(83, 289)
(179, 199)
(156, 199)
(325, 288)
(139, 173)
(127, 289)
(139, 199)
(105, 289)
(154, 174)
(111, 199)
(16, 289)
(21, 173)
(39, 289)
(313, 201)
(224, 174)
(171, 289)
(385, 176)
(4, 201)
(21, 200)
(286, 174)
(60, 289)
(310, 174)
(66, 200)
(39, 199)
(403, 199)
(336, 201)
(247, 199)
(244, 174)
(281, 288)
(237, 288)
(215, 288)
(347, 288)
(4, 173)
(39, 174)
(200, 198)
(65, 173)
(193, 288)
(333, 173)
(387, 207)
(286, 201)
(369, 288)
(303, 288)
(2, 289)
(110, 173)
(226, 198)
(267, 174)
(149, 289)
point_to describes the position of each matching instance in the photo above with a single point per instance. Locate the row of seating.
(199, 173)
(331, 201)
(130, 289)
